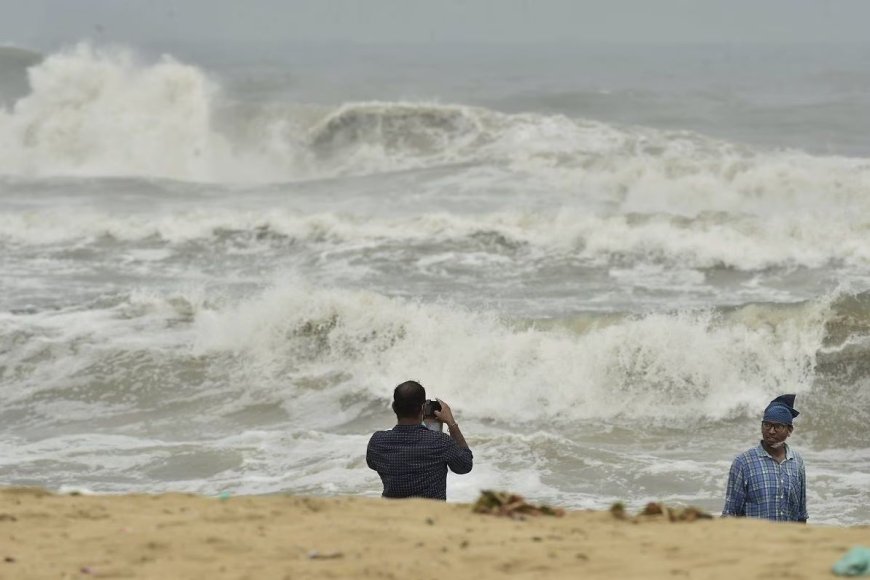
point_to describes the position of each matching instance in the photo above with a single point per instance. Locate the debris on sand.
(675, 514)
(618, 510)
(654, 510)
(511, 505)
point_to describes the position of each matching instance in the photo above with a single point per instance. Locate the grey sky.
(43, 23)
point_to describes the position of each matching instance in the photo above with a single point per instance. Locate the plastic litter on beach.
(856, 562)
(506, 504)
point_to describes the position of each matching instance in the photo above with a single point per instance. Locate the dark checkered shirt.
(412, 461)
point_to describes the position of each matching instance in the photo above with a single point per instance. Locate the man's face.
(774, 434)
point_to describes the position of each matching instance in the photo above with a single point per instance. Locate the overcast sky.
(46, 23)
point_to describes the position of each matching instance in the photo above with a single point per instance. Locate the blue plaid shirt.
(412, 461)
(759, 487)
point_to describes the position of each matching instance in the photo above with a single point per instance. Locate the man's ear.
(393, 406)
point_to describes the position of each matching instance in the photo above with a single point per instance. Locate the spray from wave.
(96, 112)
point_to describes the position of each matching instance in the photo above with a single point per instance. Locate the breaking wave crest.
(174, 122)
(600, 193)
(326, 355)
(662, 367)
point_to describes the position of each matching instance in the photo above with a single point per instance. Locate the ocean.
(216, 264)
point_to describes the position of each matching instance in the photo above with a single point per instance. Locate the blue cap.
(781, 410)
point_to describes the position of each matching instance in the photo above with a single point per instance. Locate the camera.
(429, 408)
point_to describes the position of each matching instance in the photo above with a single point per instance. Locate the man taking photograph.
(411, 458)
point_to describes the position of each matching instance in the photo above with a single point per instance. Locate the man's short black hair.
(408, 399)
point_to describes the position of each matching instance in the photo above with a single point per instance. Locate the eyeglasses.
(777, 427)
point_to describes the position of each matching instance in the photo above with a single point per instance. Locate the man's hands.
(445, 415)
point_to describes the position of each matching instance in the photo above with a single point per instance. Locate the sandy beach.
(43, 535)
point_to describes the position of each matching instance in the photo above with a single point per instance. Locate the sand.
(261, 537)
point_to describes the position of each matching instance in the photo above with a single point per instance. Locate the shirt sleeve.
(802, 507)
(459, 459)
(371, 455)
(735, 492)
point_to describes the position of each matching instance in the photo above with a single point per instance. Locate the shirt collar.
(408, 427)
(762, 452)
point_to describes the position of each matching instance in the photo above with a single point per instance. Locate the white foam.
(739, 242)
(660, 367)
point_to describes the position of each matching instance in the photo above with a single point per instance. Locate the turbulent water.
(215, 268)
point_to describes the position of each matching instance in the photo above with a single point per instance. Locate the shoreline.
(175, 535)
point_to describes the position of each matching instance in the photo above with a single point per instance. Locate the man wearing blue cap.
(769, 481)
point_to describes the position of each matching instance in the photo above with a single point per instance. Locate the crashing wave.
(405, 128)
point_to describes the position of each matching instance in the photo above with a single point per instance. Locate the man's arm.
(735, 492)
(370, 455)
(459, 457)
(445, 415)
(456, 434)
